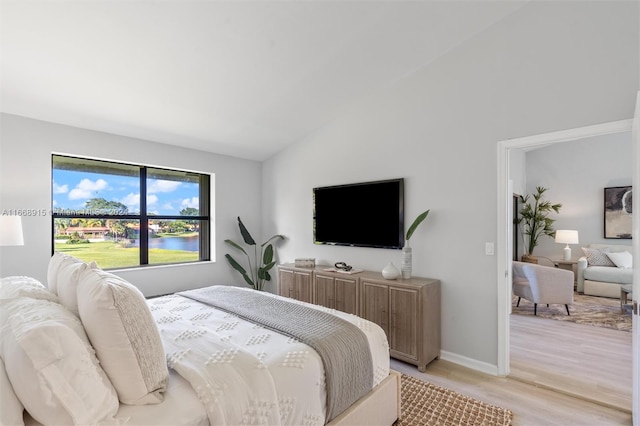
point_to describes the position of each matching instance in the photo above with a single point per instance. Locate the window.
(125, 215)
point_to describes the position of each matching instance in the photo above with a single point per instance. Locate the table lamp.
(567, 236)
(11, 231)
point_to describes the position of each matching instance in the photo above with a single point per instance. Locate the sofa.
(604, 268)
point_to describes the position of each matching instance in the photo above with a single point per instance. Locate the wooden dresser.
(407, 310)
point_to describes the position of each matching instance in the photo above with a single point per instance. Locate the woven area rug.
(424, 403)
(589, 310)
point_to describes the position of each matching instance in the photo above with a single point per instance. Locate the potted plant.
(407, 266)
(258, 271)
(534, 221)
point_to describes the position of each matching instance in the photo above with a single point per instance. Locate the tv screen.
(368, 214)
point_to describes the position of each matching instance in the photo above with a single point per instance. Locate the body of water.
(171, 243)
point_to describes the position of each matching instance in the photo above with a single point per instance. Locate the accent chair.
(542, 284)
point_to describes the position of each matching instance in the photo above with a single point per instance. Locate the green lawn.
(108, 254)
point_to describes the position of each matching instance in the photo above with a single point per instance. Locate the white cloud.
(60, 189)
(191, 202)
(152, 199)
(167, 206)
(163, 186)
(87, 189)
(132, 201)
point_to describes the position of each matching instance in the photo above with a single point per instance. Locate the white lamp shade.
(567, 236)
(11, 231)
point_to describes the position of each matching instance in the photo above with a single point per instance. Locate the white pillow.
(623, 259)
(12, 409)
(67, 280)
(55, 263)
(51, 365)
(20, 286)
(119, 324)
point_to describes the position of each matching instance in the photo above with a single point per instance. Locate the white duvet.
(246, 374)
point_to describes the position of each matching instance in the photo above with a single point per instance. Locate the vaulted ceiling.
(240, 78)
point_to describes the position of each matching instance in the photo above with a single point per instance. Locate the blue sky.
(72, 189)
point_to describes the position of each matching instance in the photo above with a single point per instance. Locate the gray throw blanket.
(343, 347)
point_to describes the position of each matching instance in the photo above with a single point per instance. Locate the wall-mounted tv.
(367, 214)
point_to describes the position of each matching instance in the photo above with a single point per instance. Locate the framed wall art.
(617, 212)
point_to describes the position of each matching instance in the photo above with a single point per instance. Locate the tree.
(189, 211)
(534, 221)
(102, 206)
(116, 228)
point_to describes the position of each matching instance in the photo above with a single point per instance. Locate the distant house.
(91, 233)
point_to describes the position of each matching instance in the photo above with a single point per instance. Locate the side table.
(569, 265)
(625, 292)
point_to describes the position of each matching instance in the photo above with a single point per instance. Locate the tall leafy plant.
(258, 270)
(534, 220)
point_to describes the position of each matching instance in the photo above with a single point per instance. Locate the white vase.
(406, 261)
(390, 272)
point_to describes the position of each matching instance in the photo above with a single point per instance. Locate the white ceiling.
(240, 78)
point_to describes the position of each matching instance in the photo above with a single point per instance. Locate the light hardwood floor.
(589, 362)
(534, 403)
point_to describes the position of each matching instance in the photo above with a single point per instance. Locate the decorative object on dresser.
(307, 262)
(407, 261)
(567, 236)
(259, 271)
(617, 212)
(534, 221)
(390, 272)
(408, 310)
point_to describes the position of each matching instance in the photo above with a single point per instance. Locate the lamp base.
(567, 252)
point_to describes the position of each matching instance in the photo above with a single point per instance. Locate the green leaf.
(246, 236)
(415, 223)
(235, 245)
(235, 264)
(273, 238)
(267, 257)
(240, 269)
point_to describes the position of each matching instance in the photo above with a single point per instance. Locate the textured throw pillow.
(597, 257)
(51, 365)
(623, 259)
(12, 409)
(121, 329)
(19, 286)
(57, 261)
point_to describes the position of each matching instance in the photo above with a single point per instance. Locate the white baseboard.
(471, 363)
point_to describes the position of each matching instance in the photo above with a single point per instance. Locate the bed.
(205, 356)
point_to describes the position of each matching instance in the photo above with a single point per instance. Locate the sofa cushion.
(623, 259)
(608, 274)
(597, 256)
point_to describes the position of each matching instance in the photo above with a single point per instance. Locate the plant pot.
(529, 259)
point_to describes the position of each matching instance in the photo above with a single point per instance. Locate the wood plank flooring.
(593, 361)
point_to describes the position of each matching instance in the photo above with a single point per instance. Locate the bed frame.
(381, 406)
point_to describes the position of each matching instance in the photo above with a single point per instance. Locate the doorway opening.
(507, 248)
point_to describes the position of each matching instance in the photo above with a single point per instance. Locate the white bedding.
(265, 376)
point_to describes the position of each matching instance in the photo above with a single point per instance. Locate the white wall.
(575, 174)
(26, 146)
(549, 66)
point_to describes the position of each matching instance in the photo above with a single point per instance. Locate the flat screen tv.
(367, 214)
